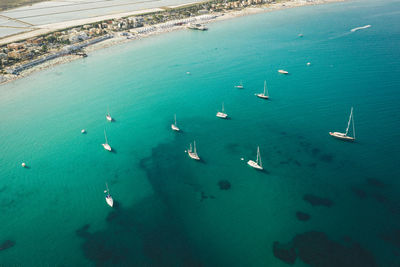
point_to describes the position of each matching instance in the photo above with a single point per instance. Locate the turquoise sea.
(171, 210)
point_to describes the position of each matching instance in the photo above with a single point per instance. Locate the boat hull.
(222, 115)
(254, 164)
(193, 156)
(239, 86)
(110, 201)
(108, 117)
(174, 127)
(106, 147)
(341, 136)
(262, 96)
(283, 72)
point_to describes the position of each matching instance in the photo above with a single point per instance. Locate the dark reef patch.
(7, 244)
(317, 201)
(317, 250)
(302, 216)
(285, 253)
(224, 185)
(375, 182)
(151, 232)
(315, 151)
(393, 238)
(326, 158)
(359, 192)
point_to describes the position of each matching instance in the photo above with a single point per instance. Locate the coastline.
(118, 39)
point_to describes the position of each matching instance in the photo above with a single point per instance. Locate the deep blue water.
(170, 210)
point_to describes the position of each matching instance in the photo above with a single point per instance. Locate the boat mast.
(175, 118)
(354, 129)
(194, 145)
(348, 124)
(265, 86)
(223, 107)
(259, 157)
(108, 191)
(105, 136)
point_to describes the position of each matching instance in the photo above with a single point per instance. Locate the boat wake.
(360, 28)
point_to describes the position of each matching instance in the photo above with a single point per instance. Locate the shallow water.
(169, 209)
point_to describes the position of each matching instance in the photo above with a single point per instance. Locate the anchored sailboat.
(193, 152)
(240, 86)
(256, 164)
(106, 145)
(108, 116)
(283, 72)
(222, 114)
(264, 95)
(109, 198)
(344, 136)
(173, 126)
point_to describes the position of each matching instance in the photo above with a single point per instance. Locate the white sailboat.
(240, 86)
(264, 95)
(344, 136)
(108, 116)
(173, 126)
(193, 152)
(256, 164)
(283, 72)
(106, 145)
(109, 198)
(222, 114)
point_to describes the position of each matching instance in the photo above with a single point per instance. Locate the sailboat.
(173, 126)
(192, 152)
(283, 72)
(344, 136)
(222, 114)
(106, 145)
(108, 116)
(256, 164)
(109, 198)
(265, 94)
(240, 86)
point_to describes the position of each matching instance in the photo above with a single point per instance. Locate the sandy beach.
(119, 39)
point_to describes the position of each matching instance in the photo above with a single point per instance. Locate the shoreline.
(118, 39)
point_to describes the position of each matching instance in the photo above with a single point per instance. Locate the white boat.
(360, 28)
(23, 165)
(106, 145)
(173, 126)
(283, 72)
(193, 152)
(240, 85)
(83, 131)
(344, 136)
(256, 164)
(109, 198)
(196, 26)
(264, 95)
(222, 114)
(108, 116)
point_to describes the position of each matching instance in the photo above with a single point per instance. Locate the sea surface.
(320, 201)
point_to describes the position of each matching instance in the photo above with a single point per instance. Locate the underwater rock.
(393, 238)
(285, 253)
(359, 192)
(317, 250)
(7, 244)
(224, 185)
(326, 158)
(301, 216)
(375, 182)
(317, 201)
